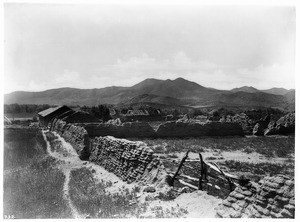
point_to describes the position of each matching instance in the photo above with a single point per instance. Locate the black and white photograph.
(139, 110)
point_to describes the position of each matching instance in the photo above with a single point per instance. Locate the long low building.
(46, 116)
(65, 113)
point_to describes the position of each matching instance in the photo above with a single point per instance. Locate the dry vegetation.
(282, 146)
(32, 185)
(91, 199)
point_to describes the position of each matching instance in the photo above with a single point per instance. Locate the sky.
(94, 46)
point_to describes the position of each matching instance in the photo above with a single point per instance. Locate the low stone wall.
(131, 161)
(77, 136)
(123, 130)
(189, 129)
(272, 197)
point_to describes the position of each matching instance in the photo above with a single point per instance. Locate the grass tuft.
(90, 198)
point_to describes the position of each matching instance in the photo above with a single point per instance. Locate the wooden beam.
(211, 165)
(188, 184)
(189, 177)
(179, 167)
(231, 185)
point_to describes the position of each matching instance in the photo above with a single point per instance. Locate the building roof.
(50, 110)
(67, 113)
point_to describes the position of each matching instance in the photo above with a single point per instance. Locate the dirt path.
(74, 211)
(66, 164)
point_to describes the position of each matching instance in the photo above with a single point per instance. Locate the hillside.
(252, 99)
(149, 98)
(248, 89)
(276, 91)
(176, 92)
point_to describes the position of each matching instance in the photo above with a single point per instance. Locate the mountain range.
(178, 92)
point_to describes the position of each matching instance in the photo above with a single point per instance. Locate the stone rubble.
(272, 197)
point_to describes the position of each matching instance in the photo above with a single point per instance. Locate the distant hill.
(276, 91)
(178, 92)
(248, 89)
(149, 98)
(178, 88)
(252, 99)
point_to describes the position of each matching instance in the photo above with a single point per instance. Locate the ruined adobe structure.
(169, 129)
(272, 197)
(121, 130)
(191, 129)
(284, 125)
(131, 161)
(75, 135)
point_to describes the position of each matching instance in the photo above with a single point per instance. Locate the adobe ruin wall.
(134, 161)
(168, 129)
(77, 136)
(131, 161)
(190, 129)
(121, 130)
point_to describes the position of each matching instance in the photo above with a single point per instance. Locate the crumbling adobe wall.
(284, 125)
(131, 161)
(191, 129)
(272, 197)
(122, 130)
(77, 136)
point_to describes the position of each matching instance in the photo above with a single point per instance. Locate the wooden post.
(200, 187)
(179, 167)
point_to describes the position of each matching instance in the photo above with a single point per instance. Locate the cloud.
(178, 62)
(67, 77)
(135, 69)
(276, 75)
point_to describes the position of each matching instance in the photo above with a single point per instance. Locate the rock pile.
(131, 161)
(195, 129)
(121, 130)
(272, 197)
(76, 135)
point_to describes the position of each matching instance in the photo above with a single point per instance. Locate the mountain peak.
(249, 89)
